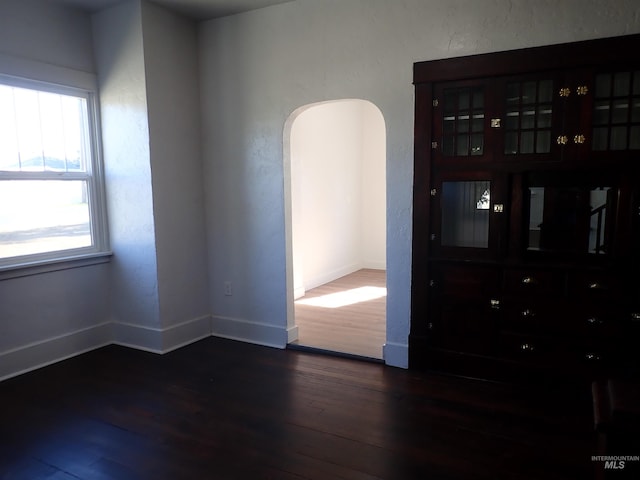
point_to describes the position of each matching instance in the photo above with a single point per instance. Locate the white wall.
(338, 191)
(49, 316)
(119, 54)
(173, 105)
(147, 70)
(260, 66)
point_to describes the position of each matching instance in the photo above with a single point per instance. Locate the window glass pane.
(462, 145)
(603, 85)
(635, 112)
(477, 123)
(42, 131)
(543, 142)
(526, 142)
(618, 138)
(601, 112)
(448, 145)
(620, 111)
(529, 92)
(38, 216)
(621, 84)
(528, 119)
(478, 100)
(464, 99)
(634, 138)
(465, 214)
(511, 143)
(544, 116)
(636, 82)
(513, 94)
(545, 91)
(600, 139)
(477, 144)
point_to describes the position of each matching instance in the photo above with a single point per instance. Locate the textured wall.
(258, 67)
(125, 133)
(171, 66)
(48, 316)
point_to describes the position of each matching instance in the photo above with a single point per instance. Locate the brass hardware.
(495, 304)
(433, 236)
(596, 286)
(435, 102)
(433, 192)
(429, 326)
(529, 281)
(432, 283)
(527, 347)
(565, 92)
(528, 313)
(579, 139)
(562, 140)
(495, 123)
(582, 90)
(498, 208)
(594, 321)
(434, 145)
(635, 316)
(592, 357)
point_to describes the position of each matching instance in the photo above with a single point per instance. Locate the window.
(51, 195)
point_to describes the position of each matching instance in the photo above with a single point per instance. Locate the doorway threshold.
(321, 351)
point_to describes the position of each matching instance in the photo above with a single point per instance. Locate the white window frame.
(99, 251)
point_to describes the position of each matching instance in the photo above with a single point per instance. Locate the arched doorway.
(335, 189)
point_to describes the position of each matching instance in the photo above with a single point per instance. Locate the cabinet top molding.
(584, 54)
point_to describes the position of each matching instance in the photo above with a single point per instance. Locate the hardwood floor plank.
(220, 409)
(357, 328)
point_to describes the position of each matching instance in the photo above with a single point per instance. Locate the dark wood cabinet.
(526, 251)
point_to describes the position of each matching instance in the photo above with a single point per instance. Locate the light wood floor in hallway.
(347, 315)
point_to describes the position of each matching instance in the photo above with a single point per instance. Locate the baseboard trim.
(52, 350)
(162, 340)
(250, 332)
(326, 277)
(396, 355)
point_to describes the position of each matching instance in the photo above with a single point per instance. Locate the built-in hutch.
(526, 227)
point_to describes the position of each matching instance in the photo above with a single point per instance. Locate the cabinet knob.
(528, 313)
(582, 90)
(579, 139)
(562, 140)
(592, 357)
(495, 304)
(597, 286)
(527, 347)
(429, 326)
(635, 316)
(564, 92)
(529, 281)
(594, 321)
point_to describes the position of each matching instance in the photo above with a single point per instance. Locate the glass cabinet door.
(465, 214)
(468, 216)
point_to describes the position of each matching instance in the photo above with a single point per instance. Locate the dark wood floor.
(220, 409)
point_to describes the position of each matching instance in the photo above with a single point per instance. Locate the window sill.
(47, 266)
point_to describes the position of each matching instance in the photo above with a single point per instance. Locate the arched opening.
(335, 197)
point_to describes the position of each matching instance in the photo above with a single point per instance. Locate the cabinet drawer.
(591, 286)
(533, 282)
(461, 281)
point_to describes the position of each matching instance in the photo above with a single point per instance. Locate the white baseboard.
(374, 265)
(396, 355)
(162, 340)
(250, 332)
(292, 334)
(52, 350)
(326, 277)
(298, 293)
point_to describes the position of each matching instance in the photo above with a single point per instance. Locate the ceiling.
(196, 9)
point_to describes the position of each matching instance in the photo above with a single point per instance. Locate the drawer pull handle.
(528, 313)
(495, 304)
(596, 286)
(527, 347)
(594, 321)
(635, 316)
(592, 357)
(529, 281)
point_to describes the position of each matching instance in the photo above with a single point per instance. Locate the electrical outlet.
(228, 288)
